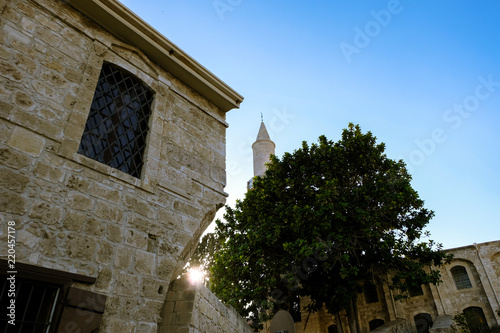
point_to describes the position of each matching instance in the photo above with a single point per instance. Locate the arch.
(332, 329)
(476, 320)
(460, 276)
(423, 322)
(373, 324)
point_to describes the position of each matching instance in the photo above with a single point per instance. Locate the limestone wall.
(194, 308)
(75, 214)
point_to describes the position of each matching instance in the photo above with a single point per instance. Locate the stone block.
(74, 220)
(79, 201)
(9, 71)
(127, 285)
(136, 239)
(13, 180)
(14, 159)
(27, 238)
(149, 310)
(49, 172)
(26, 141)
(145, 262)
(78, 183)
(108, 212)
(12, 202)
(184, 306)
(147, 328)
(153, 288)
(139, 206)
(47, 213)
(105, 192)
(105, 253)
(81, 246)
(95, 227)
(114, 233)
(123, 257)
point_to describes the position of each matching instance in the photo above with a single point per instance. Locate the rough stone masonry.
(76, 215)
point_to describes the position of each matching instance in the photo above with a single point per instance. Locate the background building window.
(415, 291)
(460, 277)
(376, 323)
(476, 321)
(117, 125)
(370, 291)
(423, 322)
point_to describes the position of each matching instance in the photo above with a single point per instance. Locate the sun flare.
(196, 275)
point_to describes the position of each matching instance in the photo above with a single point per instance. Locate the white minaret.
(262, 148)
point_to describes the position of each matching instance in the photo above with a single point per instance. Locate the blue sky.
(422, 76)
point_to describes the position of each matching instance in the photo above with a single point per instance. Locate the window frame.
(48, 276)
(146, 109)
(369, 290)
(455, 276)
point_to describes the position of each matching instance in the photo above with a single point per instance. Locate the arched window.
(370, 291)
(423, 321)
(376, 323)
(476, 320)
(460, 277)
(332, 329)
(416, 291)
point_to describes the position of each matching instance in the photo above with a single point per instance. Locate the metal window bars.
(117, 126)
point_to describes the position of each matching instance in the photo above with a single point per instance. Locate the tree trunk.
(351, 318)
(339, 323)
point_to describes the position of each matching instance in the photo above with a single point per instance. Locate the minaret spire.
(262, 148)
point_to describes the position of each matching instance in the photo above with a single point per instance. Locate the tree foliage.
(321, 222)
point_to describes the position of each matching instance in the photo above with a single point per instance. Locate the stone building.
(112, 164)
(470, 285)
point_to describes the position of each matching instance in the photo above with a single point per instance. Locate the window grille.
(460, 277)
(117, 125)
(35, 305)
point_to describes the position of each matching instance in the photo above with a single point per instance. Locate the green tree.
(321, 222)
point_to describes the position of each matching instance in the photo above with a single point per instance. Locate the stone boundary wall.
(193, 308)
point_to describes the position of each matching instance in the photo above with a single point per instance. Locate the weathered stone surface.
(81, 246)
(145, 262)
(193, 305)
(46, 212)
(12, 202)
(80, 215)
(12, 180)
(26, 141)
(127, 285)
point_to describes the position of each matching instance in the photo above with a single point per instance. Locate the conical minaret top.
(262, 148)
